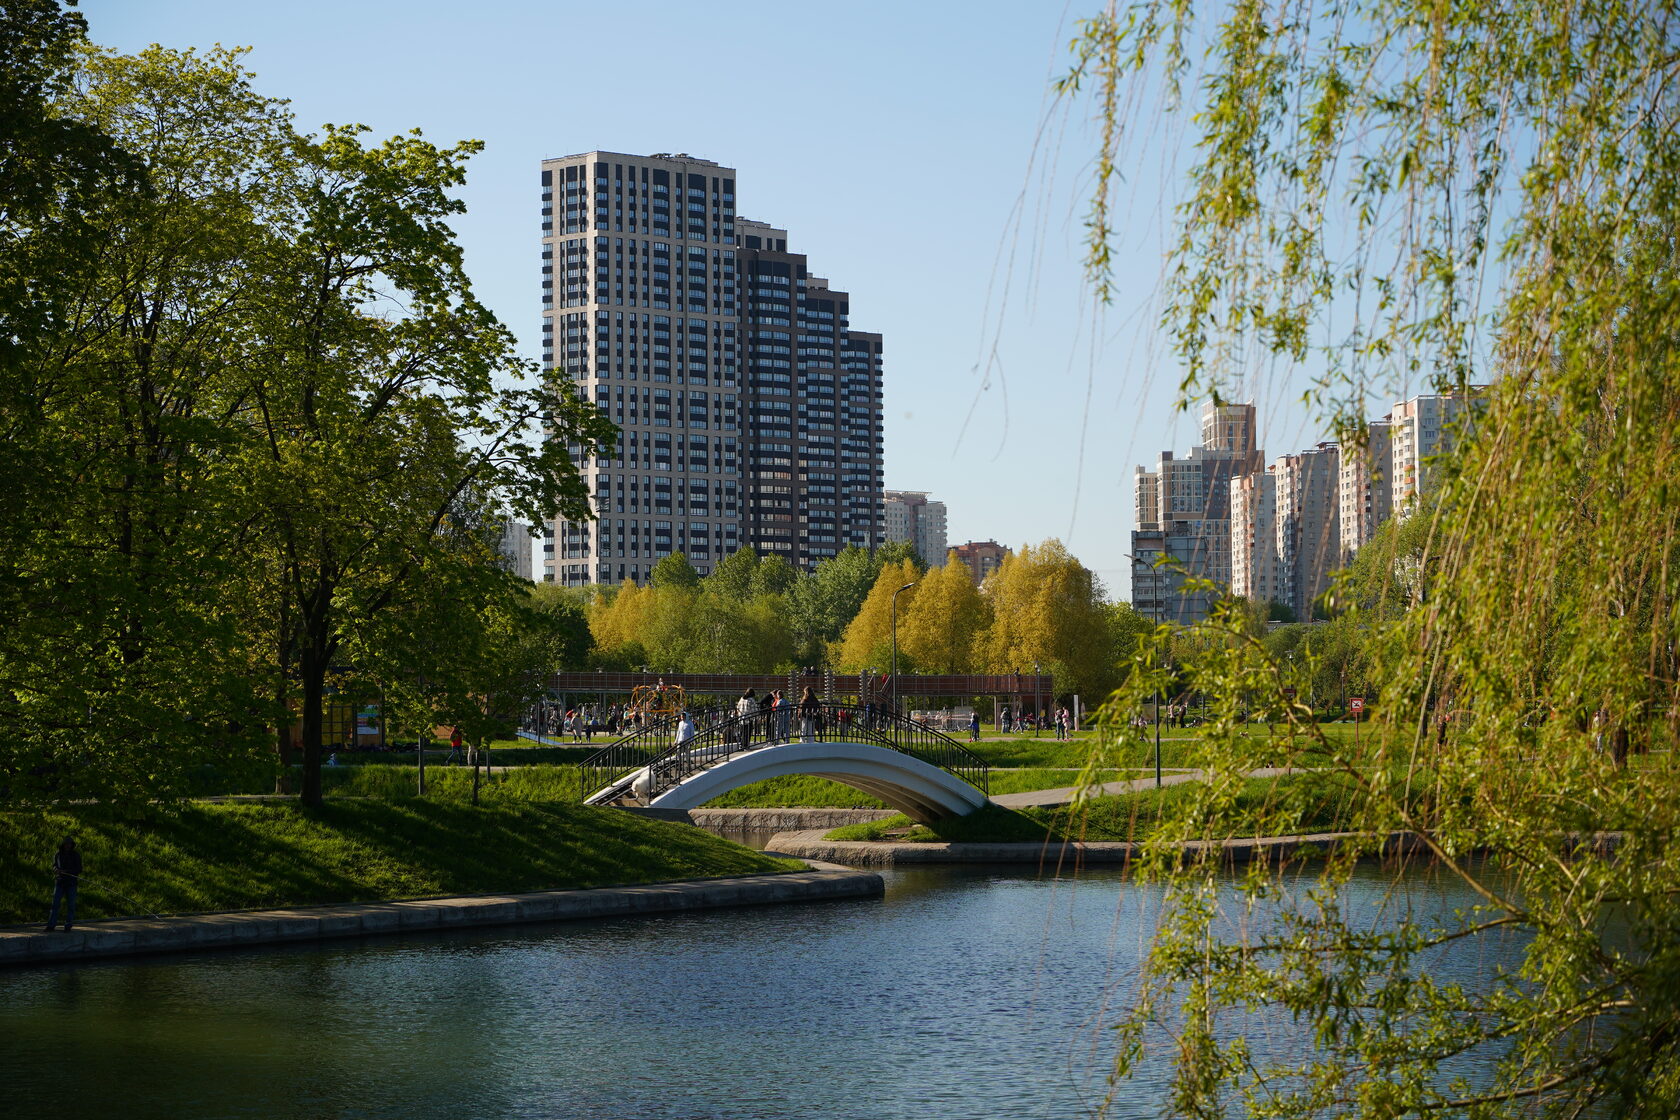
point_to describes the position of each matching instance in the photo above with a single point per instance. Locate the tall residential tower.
(750, 412)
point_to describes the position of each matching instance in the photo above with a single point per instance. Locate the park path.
(1063, 795)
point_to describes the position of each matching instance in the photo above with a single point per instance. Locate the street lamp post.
(1155, 618)
(895, 596)
(1038, 704)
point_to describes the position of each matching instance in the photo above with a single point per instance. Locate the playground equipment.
(657, 701)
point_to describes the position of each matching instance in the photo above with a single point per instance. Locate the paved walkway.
(132, 936)
(1064, 795)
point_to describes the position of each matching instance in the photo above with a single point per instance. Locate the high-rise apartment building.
(910, 515)
(1366, 492)
(1421, 427)
(750, 412)
(1183, 512)
(513, 547)
(1308, 534)
(1256, 572)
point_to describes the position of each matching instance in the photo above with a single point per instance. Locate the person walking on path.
(67, 877)
(810, 708)
(974, 727)
(455, 741)
(685, 730)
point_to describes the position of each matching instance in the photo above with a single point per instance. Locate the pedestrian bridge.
(913, 768)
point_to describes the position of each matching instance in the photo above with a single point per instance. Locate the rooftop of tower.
(683, 156)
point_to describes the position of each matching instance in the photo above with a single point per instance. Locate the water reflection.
(966, 992)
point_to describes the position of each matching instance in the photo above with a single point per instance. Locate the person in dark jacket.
(67, 876)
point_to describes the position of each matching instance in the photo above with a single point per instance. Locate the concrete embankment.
(137, 936)
(767, 820)
(810, 845)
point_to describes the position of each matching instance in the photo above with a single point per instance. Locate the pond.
(964, 993)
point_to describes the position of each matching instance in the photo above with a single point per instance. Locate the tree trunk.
(313, 670)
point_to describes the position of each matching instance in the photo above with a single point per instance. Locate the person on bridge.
(685, 730)
(746, 708)
(810, 710)
(784, 717)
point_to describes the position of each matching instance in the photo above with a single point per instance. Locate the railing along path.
(608, 773)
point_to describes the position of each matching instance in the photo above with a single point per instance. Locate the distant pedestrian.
(784, 718)
(810, 711)
(974, 727)
(685, 730)
(746, 709)
(455, 741)
(1003, 719)
(67, 878)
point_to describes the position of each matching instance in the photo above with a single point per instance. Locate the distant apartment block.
(750, 411)
(1256, 570)
(513, 548)
(982, 557)
(1183, 513)
(1308, 533)
(910, 515)
(1286, 528)
(1366, 493)
(1420, 428)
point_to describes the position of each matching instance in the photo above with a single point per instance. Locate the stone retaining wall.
(809, 844)
(126, 937)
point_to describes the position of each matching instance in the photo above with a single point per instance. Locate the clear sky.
(912, 150)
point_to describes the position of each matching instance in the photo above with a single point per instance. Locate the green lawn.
(204, 857)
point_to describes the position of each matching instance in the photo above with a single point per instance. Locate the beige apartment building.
(1308, 533)
(911, 515)
(1419, 428)
(1183, 513)
(1256, 573)
(1366, 494)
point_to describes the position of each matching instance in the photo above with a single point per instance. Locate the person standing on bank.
(67, 876)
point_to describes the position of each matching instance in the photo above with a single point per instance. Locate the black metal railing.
(608, 773)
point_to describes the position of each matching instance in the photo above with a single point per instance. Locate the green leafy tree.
(128, 663)
(733, 576)
(824, 603)
(1508, 177)
(674, 570)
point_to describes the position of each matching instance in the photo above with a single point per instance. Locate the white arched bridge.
(910, 766)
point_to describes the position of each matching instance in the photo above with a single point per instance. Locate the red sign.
(1289, 692)
(1356, 704)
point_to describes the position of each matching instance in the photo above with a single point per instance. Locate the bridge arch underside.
(917, 789)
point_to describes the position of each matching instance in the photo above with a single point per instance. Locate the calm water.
(965, 993)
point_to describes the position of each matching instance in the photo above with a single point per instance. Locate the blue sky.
(912, 150)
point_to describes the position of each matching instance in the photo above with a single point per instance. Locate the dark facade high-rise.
(750, 411)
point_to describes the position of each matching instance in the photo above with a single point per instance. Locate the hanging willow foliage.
(1389, 193)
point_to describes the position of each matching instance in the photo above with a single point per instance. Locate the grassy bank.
(237, 856)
